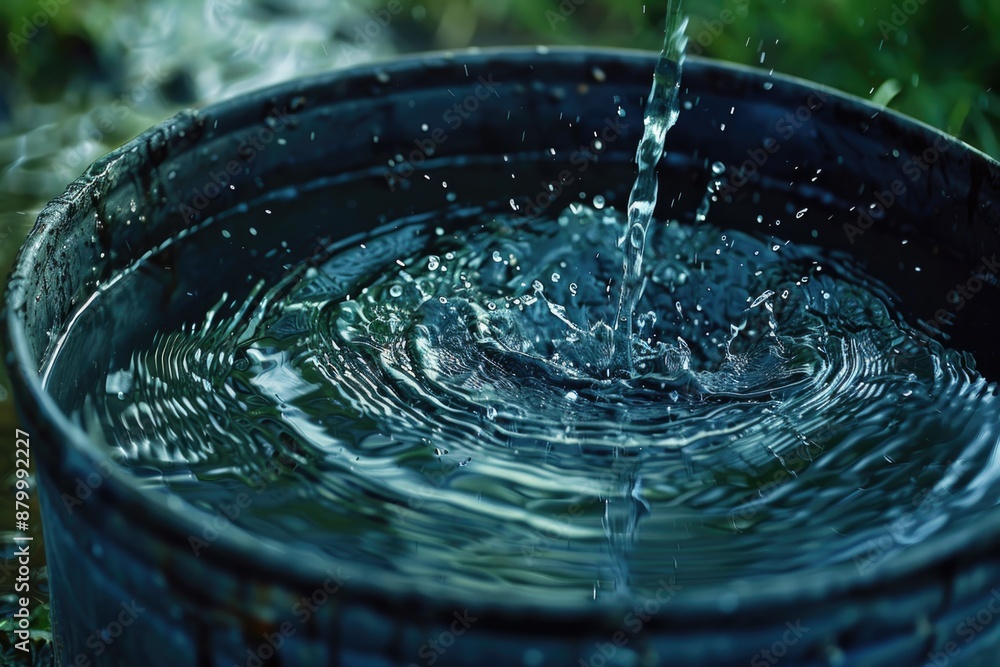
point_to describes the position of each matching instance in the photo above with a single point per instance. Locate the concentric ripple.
(448, 404)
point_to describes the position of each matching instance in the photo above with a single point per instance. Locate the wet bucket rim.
(267, 560)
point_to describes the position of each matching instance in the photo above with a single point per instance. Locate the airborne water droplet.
(763, 297)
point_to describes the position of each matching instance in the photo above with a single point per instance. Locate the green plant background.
(64, 63)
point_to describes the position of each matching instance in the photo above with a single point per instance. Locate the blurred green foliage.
(942, 57)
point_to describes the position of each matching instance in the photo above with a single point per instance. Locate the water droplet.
(396, 290)
(573, 288)
(598, 202)
(718, 168)
(555, 277)
(433, 262)
(496, 256)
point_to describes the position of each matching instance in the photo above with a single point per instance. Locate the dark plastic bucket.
(123, 553)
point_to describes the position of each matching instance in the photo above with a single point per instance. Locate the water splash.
(449, 420)
(662, 112)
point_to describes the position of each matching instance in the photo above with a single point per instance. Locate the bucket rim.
(240, 553)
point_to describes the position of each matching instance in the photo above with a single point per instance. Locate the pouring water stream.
(624, 506)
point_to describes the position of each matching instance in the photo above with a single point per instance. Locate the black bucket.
(123, 553)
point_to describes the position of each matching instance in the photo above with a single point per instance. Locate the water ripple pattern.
(440, 403)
